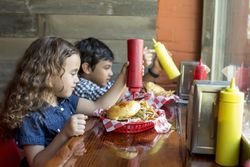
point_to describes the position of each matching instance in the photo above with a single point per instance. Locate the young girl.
(39, 110)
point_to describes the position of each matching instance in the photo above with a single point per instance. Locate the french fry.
(146, 112)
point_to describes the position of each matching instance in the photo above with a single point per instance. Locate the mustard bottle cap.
(154, 41)
(232, 93)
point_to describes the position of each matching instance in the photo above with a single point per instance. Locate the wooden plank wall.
(112, 21)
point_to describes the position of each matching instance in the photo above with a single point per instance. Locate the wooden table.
(147, 149)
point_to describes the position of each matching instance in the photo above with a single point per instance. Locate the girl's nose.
(76, 79)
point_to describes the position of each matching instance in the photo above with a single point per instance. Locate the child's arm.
(154, 70)
(38, 155)
(108, 99)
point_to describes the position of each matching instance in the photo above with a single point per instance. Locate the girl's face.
(102, 73)
(64, 85)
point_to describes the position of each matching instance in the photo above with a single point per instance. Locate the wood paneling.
(103, 27)
(81, 7)
(18, 25)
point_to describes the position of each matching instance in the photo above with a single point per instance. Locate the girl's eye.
(74, 73)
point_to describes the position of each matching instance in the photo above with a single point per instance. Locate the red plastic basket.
(135, 127)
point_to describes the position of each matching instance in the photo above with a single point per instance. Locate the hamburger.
(131, 110)
(123, 110)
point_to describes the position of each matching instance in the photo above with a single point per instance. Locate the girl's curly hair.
(30, 86)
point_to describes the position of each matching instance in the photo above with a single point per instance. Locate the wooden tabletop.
(147, 149)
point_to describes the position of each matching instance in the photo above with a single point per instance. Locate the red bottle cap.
(200, 72)
(241, 78)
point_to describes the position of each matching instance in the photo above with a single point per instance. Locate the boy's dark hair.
(92, 51)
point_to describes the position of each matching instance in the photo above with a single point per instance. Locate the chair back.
(9, 154)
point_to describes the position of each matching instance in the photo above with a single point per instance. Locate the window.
(226, 40)
(226, 45)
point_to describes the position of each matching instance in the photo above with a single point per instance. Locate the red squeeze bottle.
(135, 58)
(200, 72)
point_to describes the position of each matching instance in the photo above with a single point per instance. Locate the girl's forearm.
(47, 153)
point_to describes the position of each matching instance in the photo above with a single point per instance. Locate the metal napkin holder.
(186, 79)
(202, 115)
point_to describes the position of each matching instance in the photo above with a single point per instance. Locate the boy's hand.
(125, 68)
(124, 71)
(148, 56)
(75, 125)
(143, 69)
(156, 67)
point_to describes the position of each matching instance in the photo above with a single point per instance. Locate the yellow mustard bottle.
(166, 60)
(231, 105)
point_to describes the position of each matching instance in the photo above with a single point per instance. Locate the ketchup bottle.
(135, 58)
(200, 72)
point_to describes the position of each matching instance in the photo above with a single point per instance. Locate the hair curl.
(30, 86)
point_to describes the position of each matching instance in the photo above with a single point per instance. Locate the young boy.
(96, 68)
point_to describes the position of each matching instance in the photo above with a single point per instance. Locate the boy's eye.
(107, 67)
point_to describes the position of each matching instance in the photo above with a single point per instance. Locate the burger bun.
(123, 110)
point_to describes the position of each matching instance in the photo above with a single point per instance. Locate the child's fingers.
(81, 116)
(151, 50)
(143, 70)
(148, 56)
(77, 124)
(147, 50)
(125, 66)
(81, 119)
(80, 129)
(81, 122)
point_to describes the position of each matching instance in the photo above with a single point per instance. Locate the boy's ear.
(86, 68)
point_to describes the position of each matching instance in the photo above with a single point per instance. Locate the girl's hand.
(75, 125)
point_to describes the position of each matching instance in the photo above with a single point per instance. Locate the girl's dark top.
(40, 128)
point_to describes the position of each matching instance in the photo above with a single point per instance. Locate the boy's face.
(102, 73)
